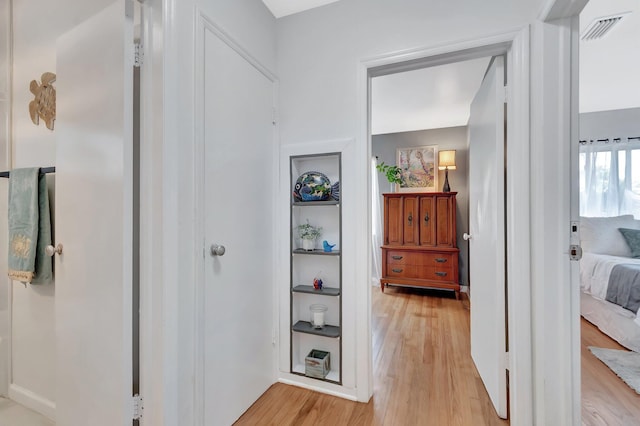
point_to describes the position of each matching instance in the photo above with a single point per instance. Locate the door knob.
(51, 250)
(217, 250)
(466, 236)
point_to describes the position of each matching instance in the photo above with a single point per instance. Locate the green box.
(317, 364)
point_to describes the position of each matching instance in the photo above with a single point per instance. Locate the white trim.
(555, 302)
(518, 232)
(574, 211)
(32, 401)
(521, 392)
(152, 373)
(313, 384)
(204, 23)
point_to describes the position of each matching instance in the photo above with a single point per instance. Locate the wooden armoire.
(419, 247)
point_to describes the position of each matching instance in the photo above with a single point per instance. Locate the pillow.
(633, 240)
(601, 235)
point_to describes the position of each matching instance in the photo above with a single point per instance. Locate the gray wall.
(619, 123)
(384, 147)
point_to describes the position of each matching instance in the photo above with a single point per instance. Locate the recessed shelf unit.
(306, 265)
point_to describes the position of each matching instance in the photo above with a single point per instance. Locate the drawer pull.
(441, 274)
(397, 257)
(410, 219)
(397, 271)
(426, 218)
(441, 259)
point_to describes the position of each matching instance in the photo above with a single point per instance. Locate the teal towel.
(29, 227)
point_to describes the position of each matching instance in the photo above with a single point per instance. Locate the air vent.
(600, 27)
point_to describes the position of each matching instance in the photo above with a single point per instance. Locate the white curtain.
(376, 226)
(609, 179)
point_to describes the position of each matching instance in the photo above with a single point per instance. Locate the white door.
(487, 243)
(94, 220)
(238, 202)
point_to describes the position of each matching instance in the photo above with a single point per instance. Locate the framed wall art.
(419, 168)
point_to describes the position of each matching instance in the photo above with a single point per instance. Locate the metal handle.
(466, 236)
(397, 271)
(441, 274)
(441, 259)
(396, 257)
(426, 218)
(410, 219)
(51, 250)
(217, 250)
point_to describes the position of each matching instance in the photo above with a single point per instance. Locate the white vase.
(308, 245)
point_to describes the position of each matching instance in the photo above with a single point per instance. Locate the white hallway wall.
(36, 26)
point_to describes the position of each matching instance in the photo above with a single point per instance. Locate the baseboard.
(464, 289)
(32, 401)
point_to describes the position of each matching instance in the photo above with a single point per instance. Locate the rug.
(626, 364)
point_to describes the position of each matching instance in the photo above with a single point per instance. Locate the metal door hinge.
(507, 361)
(575, 252)
(505, 93)
(137, 406)
(138, 55)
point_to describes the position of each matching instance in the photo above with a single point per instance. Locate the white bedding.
(594, 277)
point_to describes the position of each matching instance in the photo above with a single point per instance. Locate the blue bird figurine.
(327, 247)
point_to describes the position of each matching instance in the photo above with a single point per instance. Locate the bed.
(605, 268)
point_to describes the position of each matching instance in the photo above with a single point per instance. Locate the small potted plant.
(393, 173)
(308, 234)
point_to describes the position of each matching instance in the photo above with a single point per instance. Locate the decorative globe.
(312, 186)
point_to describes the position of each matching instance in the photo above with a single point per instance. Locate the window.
(609, 178)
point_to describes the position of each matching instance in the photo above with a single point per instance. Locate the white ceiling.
(428, 98)
(281, 8)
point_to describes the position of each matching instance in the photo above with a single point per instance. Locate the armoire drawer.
(402, 271)
(438, 259)
(436, 273)
(403, 258)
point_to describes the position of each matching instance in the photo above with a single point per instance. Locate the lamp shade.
(447, 160)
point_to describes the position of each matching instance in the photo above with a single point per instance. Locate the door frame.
(516, 43)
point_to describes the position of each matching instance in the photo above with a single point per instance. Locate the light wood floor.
(606, 400)
(423, 373)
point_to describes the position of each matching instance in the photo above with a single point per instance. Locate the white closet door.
(238, 203)
(94, 220)
(487, 228)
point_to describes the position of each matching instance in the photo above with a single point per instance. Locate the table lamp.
(446, 162)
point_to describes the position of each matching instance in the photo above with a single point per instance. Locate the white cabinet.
(314, 200)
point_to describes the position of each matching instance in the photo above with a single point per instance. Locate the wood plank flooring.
(423, 375)
(423, 372)
(606, 400)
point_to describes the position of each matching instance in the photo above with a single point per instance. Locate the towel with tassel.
(29, 227)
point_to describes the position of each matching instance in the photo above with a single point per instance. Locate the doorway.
(459, 109)
(517, 173)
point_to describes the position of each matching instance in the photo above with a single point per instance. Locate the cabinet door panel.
(393, 222)
(411, 225)
(445, 217)
(427, 222)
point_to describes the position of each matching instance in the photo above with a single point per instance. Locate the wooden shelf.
(324, 291)
(326, 331)
(317, 252)
(316, 203)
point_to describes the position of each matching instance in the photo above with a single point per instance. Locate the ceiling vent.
(600, 27)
